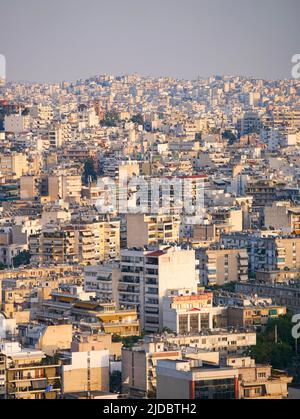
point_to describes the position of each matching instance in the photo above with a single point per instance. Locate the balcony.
(129, 290)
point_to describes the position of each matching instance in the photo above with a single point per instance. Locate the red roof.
(157, 253)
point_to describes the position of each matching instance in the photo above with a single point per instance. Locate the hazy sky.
(54, 40)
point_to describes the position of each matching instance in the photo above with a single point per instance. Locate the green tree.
(89, 172)
(228, 135)
(138, 119)
(167, 330)
(111, 119)
(130, 341)
(230, 287)
(22, 259)
(281, 354)
(115, 382)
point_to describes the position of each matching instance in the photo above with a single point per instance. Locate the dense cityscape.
(122, 302)
(150, 239)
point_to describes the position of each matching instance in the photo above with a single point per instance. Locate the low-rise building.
(27, 376)
(139, 368)
(184, 312)
(259, 382)
(195, 380)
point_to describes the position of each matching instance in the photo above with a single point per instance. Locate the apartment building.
(146, 276)
(282, 118)
(144, 230)
(66, 187)
(227, 219)
(195, 380)
(232, 342)
(250, 122)
(27, 375)
(139, 368)
(203, 233)
(47, 338)
(231, 377)
(84, 243)
(80, 153)
(16, 123)
(71, 304)
(37, 276)
(8, 327)
(86, 118)
(267, 252)
(14, 164)
(120, 169)
(43, 114)
(29, 188)
(257, 315)
(106, 317)
(9, 190)
(13, 241)
(58, 134)
(85, 341)
(85, 371)
(55, 306)
(263, 191)
(259, 382)
(98, 241)
(103, 279)
(283, 216)
(53, 245)
(56, 214)
(28, 285)
(286, 295)
(219, 266)
(278, 277)
(184, 312)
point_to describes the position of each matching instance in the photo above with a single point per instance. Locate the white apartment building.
(185, 312)
(146, 276)
(16, 123)
(222, 340)
(87, 118)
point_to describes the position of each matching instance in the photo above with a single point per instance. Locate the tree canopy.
(138, 119)
(229, 135)
(22, 259)
(281, 354)
(89, 172)
(111, 119)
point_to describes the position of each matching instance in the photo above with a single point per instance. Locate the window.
(217, 389)
(194, 323)
(247, 393)
(183, 324)
(257, 390)
(205, 321)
